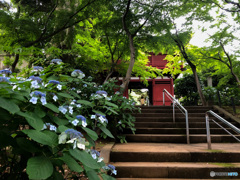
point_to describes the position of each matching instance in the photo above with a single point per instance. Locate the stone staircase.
(159, 150)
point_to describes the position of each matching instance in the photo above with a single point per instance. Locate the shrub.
(51, 120)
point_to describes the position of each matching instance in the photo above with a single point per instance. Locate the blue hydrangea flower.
(38, 93)
(35, 78)
(4, 79)
(38, 68)
(35, 96)
(83, 119)
(104, 93)
(74, 133)
(111, 168)
(6, 71)
(93, 151)
(54, 82)
(78, 73)
(56, 61)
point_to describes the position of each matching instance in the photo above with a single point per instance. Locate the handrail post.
(163, 98)
(187, 127)
(208, 131)
(174, 111)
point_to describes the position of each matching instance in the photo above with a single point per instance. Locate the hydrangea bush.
(51, 119)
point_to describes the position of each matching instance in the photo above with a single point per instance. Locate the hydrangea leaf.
(9, 105)
(99, 112)
(62, 128)
(106, 131)
(84, 102)
(33, 119)
(65, 95)
(85, 158)
(39, 168)
(91, 133)
(39, 137)
(52, 107)
(72, 164)
(111, 104)
(27, 145)
(110, 109)
(53, 136)
(107, 177)
(92, 175)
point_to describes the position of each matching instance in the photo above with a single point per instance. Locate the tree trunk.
(14, 64)
(235, 76)
(130, 67)
(108, 76)
(203, 100)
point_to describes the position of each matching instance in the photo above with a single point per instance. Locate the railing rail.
(237, 130)
(180, 107)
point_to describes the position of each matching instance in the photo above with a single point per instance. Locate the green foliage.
(186, 91)
(51, 126)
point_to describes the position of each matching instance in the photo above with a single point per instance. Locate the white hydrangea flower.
(94, 156)
(70, 109)
(55, 98)
(75, 122)
(34, 84)
(84, 124)
(43, 100)
(62, 109)
(14, 87)
(53, 128)
(100, 159)
(102, 119)
(33, 100)
(59, 87)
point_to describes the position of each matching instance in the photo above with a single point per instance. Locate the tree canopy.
(109, 37)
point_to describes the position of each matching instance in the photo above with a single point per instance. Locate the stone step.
(170, 107)
(177, 124)
(176, 138)
(170, 115)
(177, 119)
(122, 156)
(174, 170)
(176, 110)
(176, 131)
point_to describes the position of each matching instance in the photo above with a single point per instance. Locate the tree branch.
(124, 18)
(46, 23)
(140, 27)
(65, 26)
(225, 52)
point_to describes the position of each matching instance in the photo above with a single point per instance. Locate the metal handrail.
(180, 107)
(237, 130)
